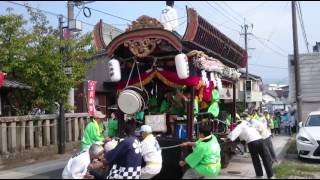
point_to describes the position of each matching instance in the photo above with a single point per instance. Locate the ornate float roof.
(147, 38)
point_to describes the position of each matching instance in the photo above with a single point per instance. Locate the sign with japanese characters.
(91, 97)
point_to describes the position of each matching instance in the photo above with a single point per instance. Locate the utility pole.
(296, 59)
(62, 120)
(71, 17)
(246, 48)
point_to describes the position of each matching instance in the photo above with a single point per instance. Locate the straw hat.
(99, 115)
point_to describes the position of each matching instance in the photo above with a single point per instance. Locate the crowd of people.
(279, 122)
(104, 156)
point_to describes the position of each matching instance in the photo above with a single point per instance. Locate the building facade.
(254, 94)
(309, 82)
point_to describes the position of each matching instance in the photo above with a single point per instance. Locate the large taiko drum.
(133, 99)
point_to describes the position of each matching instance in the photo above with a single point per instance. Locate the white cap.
(146, 128)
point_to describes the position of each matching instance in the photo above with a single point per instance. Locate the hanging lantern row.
(199, 59)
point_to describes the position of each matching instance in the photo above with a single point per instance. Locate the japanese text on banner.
(91, 97)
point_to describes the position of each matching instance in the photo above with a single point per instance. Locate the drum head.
(143, 94)
(129, 102)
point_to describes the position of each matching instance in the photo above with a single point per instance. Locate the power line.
(227, 27)
(273, 32)
(103, 12)
(302, 26)
(255, 8)
(265, 66)
(54, 14)
(223, 13)
(268, 40)
(275, 27)
(57, 15)
(232, 10)
(231, 15)
(265, 45)
(48, 12)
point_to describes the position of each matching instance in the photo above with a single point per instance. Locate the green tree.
(33, 56)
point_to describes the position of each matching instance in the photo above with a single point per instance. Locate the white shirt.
(151, 153)
(77, 166)
(264, 121)
(245, 132)
(168, 18)
(261, 128)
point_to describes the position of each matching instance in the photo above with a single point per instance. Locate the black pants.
(244, 146)
(294, 129)
(269, 144)
(276, 130)
(259, 149)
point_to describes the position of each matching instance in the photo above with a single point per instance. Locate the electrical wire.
(232, 10)
(268, 40)
(227, 12)
(265, 45)
(265, 66)
(302, 26)
(58, 15)
(255, 8)
(223, 13)
(103, 12)
(48, 12)
(227, 27)
(272, 33)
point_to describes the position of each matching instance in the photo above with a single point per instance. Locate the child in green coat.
(276, 124)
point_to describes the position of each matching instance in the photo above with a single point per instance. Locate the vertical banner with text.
(1, 78)
(91, 97)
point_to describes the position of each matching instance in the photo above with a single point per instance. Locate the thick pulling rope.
(170, 147)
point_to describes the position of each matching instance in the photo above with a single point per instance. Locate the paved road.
(50, 169)
(56, 174)
(240, 167)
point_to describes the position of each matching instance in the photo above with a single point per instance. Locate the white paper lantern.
(114, 70)
(219, 83)
(182, 66)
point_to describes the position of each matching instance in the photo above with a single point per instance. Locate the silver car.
(308, 138)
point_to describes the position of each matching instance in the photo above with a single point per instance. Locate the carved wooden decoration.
(144, 22)
(142, 48)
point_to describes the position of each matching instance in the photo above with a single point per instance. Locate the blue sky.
(271, 21)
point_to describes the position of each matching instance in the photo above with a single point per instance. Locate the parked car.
(308, 138)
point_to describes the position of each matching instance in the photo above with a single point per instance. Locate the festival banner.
(1, 78)
(91, 97)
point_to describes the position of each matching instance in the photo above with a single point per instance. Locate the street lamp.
(75, 26)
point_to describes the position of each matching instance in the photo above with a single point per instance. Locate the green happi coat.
(205, 158)
(92, 134)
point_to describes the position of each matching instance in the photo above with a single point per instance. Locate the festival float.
(147, 61)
